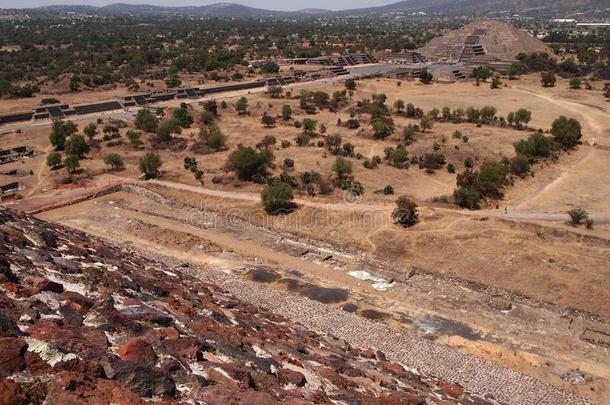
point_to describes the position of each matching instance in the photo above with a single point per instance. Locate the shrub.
(353, 123)
(114, 160)
(333, 142)
(213, 137)
(536, 145)
(60, 131)
(134, 138)
(520, 165)
(71, 163)
(146, 121)
(342, 167)
(548, 79)
(492, 176)
(578, 215)
(285, 144)
(575, 83)
(53, 160)
(241, 106)
(166, 129)
(267, 120)
(90, 130)
(566, 132)
(388, 190)
(467, 197)
(76, 145)
(249, 163)
(182, 117)
(270, 67)
(288, 164)
(206, 118)
(149, 165)
(406, 213)
(451, 168)
(277, 198)
(286, 112)
(302, 139)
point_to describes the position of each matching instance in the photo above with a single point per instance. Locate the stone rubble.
(83, 320)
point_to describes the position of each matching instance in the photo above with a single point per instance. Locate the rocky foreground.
(85, 321)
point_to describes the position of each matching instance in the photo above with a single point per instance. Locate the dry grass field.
(526, 253)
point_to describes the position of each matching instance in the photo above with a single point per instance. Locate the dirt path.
(591, 116)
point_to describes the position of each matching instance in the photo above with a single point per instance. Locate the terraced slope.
(85, 321)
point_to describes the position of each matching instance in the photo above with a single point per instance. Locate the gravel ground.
(476, 375)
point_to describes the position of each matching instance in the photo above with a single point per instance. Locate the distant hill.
(483, 7)
(448, 7)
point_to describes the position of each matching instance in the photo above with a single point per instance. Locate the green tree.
(536, 145)
(149, 165)
(548, 79)
(566, 132)
(71, 163)
(406, 213)
(309, 126)
(166, 129)
(134, 138)
(467, 197)
(425, 76)
(146, 121)
(77, 145)
(60, 131)
(492, 177)
(277, 198)
(242, 106)
(575, 83)
(399, 106)
(248, 163)
(270, 67)
(522, 116)
(350, 84)
(425, 123)
(342, 167)
(213, 137)
(267, 120)
(90, 130)
(286, 112)
(520, 165)
(513, 71)
(114, 160)
(53, 160)
(182, 117)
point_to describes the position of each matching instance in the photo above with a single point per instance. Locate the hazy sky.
(267, 4)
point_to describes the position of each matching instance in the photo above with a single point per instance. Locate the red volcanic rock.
(335, 378)
(76, 388)
(137, 350)
(76, 301)
(11, 393)
(453, 390)
(40, 284)
(287, 376)
(400, 398)
(187, 349)
(368, 354)
(12, 351)
(222, 394)
(394, 368)
(87, 341)
(35, 364)
(168, 333)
